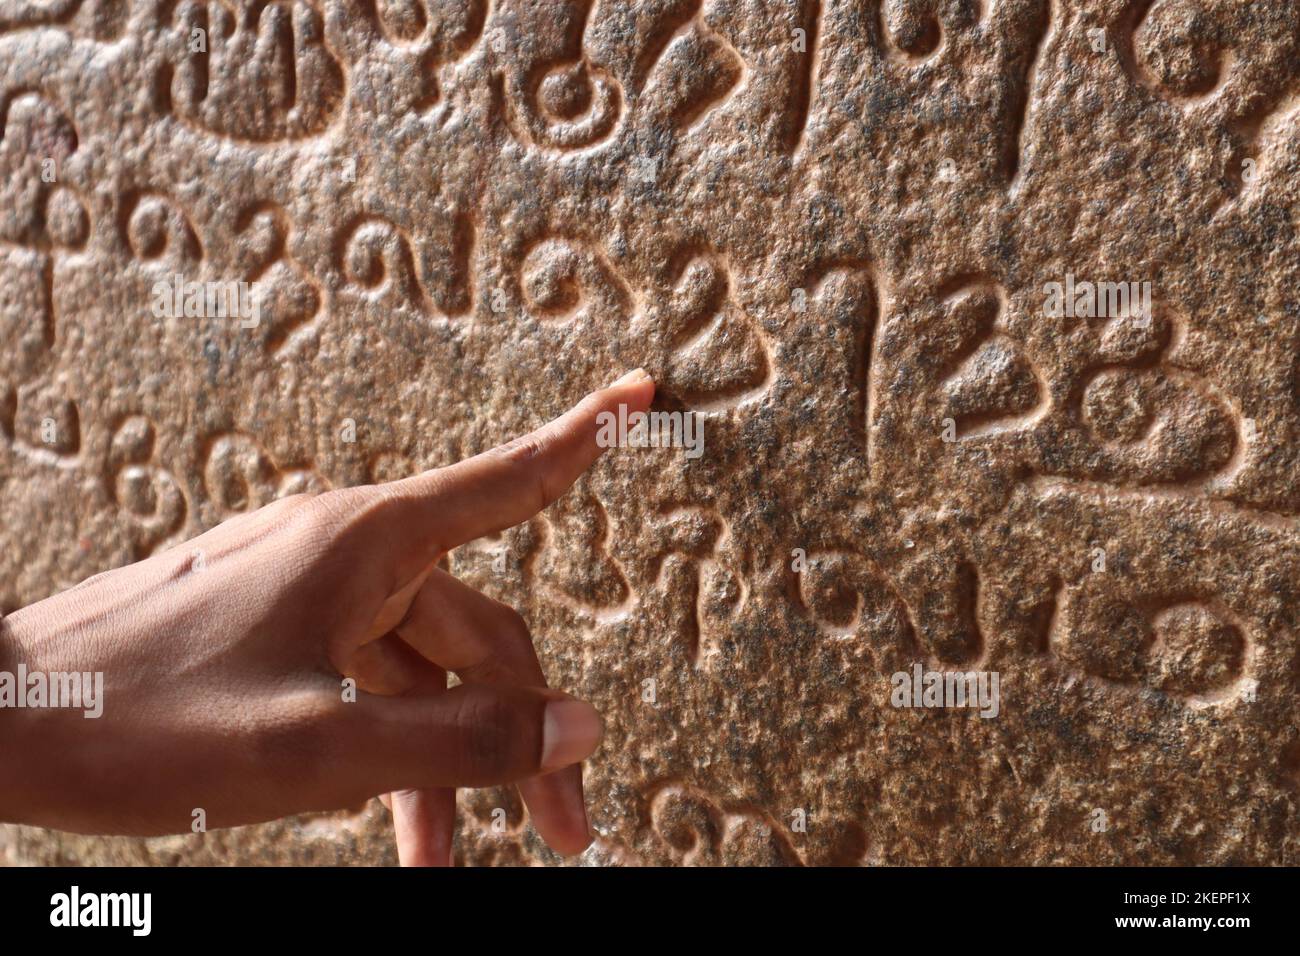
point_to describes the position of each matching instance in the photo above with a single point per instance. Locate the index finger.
(446, 507)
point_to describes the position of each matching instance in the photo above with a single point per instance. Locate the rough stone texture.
(548, 193)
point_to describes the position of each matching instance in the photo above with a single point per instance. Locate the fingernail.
(571, 729)
(636, 375)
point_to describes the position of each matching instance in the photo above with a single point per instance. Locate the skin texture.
(223, 661)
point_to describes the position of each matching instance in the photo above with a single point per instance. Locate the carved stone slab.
(835, 231)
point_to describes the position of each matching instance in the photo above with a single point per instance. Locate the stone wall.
(829, 227)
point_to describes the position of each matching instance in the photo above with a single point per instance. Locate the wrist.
(21, 727)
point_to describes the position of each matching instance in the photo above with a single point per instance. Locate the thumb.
(474, 735)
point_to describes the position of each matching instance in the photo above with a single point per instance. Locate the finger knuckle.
(524, 450)
(301, 499)
(293, 508)
(496, 740)
(342, 517)
(333, 507)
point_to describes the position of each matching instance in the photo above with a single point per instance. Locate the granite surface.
(857, 239)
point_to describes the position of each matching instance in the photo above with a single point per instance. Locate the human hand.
(223, 658)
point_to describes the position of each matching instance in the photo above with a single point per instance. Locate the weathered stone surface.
(833, 245)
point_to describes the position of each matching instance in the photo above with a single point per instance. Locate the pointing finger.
(441, 509)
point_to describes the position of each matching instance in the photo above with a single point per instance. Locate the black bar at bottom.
(335, 906)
